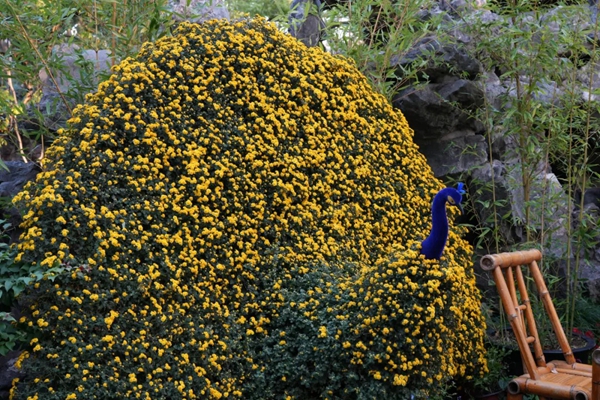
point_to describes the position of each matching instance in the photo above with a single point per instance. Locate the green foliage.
(542, 125)
(10, 335)
(39, 33)
(14, 278)
(377, 35)
(496, 377)
(239, 199)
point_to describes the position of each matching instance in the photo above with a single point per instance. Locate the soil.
(507, 339)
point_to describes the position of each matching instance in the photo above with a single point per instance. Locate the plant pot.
(582, 354)
(515, 364)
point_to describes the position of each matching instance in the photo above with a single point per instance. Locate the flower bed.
(247, 214)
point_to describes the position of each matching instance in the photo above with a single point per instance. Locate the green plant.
(273, 10)
(14, 278)
(378, 34)
(545, 119)
(495, 378)
(240, 198)
(10, 335)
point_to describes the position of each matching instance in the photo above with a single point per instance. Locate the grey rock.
(82, 69)
(486, 17)
(305, 21)
(489, 182)
(591, 209)
(545, 91)
(454, 156)
(501, 143)
(495, 91)
(439, 110)
(11, 183)
(590, 197)
(8, 372)
(548, 212)
(461, 7)
(419, 105)
(589, 78)
(580, 17)
(590, 272)
(594, 6)
(465, 93)
(4, 45)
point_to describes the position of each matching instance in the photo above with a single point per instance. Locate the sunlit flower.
(243, 216)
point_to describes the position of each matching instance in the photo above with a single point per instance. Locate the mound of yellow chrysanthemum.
(240, 217)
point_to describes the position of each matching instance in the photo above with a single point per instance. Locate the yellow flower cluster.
(246, 214)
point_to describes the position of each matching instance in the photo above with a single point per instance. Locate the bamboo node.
(596, 356)
(487, 263)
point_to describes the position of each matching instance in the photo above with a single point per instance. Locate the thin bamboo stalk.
(551, 311)
(35, 48)
(577, 372)
(572, 367)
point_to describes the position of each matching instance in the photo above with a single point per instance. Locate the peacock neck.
(436, 241)
(439, 224)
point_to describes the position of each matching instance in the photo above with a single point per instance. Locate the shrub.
(246, 213)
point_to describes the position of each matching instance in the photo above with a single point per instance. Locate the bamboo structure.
(558, 379)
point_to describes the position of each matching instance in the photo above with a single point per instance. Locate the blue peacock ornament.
(433, 246)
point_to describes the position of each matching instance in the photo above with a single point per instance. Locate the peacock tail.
(239, 216)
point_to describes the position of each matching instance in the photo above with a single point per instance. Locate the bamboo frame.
(556, 380)
(596, 375)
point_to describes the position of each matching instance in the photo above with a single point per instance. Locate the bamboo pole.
(564, 380)
(516, 323)
(505, 260)
(560, 364)
(510, 282)
(540, 361)
(548, 389)
(596, 375)
(576, 372)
